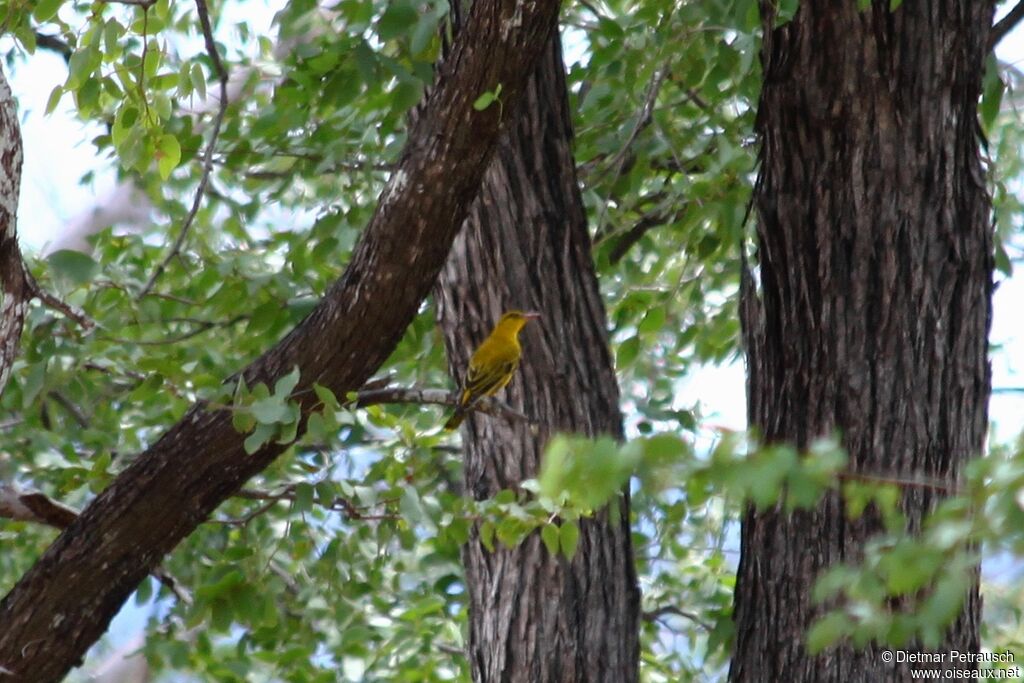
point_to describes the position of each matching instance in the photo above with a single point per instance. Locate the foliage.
(345, 554)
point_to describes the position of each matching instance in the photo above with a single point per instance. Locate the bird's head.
(515, 320)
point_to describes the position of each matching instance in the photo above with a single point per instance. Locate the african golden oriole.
(492, 364)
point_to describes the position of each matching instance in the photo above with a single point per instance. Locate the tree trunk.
(875, 257)
(534, 617)
(13, 278)
(64, 603)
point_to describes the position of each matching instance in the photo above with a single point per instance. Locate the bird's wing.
(485, 378)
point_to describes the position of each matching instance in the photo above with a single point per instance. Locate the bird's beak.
(531, 315)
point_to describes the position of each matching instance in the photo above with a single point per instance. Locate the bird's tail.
(456, 419)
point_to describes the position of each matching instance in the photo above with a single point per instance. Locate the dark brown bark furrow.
(875, 258)
(65, 602)
(534, 617)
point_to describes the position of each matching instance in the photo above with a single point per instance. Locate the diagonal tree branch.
(96, 563)
(1003, 27)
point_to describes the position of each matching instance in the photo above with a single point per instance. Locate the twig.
(643, 119)
(110, 284)
(655, 614)
(272, 498)
(144, 4)
(442, 397)
(1006, 24)
(55, 303)
(172, 584)
(450, 649)
(641, 228)
(222, 77)
(918, 482)
(73, 410)
(243, 521)
(200, 327)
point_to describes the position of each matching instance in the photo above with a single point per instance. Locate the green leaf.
(653, 322)
(54, 100)
(407, 93)
(569, 538)
(627, 353)
(260, 435)
(487, 535)
(198, 80)
(326, 396)
(168, 155)
(398, 18)
(827, 631)
(484, 101)
(549, 534)
(304, 497)
(270, 410)
(286, 385)
(992, 94)
(46, 10)
(72, 266)
(242, 421)
(411, 507)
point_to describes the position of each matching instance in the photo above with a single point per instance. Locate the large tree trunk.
(875, 256)
(534, 617)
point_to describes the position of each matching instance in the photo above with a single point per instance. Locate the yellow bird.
(493, 363)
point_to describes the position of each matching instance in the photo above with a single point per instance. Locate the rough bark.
(65, 602)
(535, 617)
(875, 257)
(13, 278)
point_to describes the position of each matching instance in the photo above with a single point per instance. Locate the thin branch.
(643, 119)
(641, 228)
(272, 498)
(71, 407)
(253, 514)
(57, 304)
(172, 584)
(916, 482)
(442, 397)
(200, 327)
(110, 284)
(450, 650)
(222, 77)
(144, 4)
(10, 423)
(655, 614)
(1005, 25)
